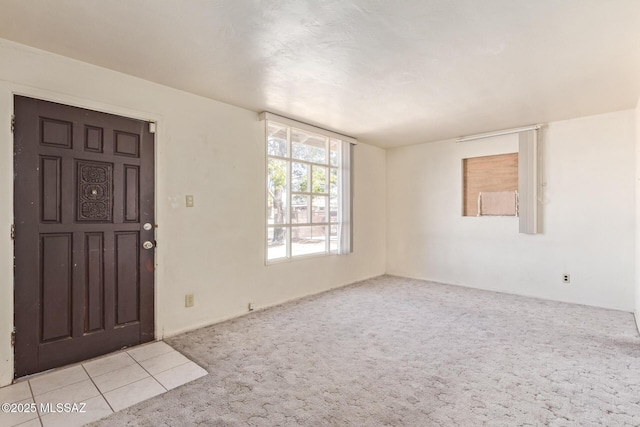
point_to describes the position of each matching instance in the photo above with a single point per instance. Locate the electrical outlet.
(189, 200)
(188, 300)
(566, 278)
(250, 306)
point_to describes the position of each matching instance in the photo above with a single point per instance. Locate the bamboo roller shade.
(488, 173)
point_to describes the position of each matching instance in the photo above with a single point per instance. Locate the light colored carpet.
(401, 352)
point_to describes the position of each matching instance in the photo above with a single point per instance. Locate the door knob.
(147, 245)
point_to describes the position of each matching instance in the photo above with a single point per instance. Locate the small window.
(308, 193)
(490, 185)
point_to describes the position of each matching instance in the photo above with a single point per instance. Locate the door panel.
(55, 286)
(84, 185)
(94, 282)
(127, 290)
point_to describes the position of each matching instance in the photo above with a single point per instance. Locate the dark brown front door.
(84, 185)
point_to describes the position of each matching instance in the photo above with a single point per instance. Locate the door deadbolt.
(147, 226)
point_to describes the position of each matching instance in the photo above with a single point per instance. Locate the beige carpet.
(400, 352)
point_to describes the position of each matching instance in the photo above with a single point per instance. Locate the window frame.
(334, 201)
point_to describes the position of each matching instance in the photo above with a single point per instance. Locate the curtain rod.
(498, 133)
(265, 115)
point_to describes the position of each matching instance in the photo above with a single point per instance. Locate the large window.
(308, 209)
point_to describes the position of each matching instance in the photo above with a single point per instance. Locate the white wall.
(637, 288)
(205, 148)
(588, 216)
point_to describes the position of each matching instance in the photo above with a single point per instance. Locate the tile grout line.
(153, 357)
(138, 363)
(33, 396)
(53, 371)
(97, 388)
(174, 367)
(112, 370)
(141, 379)
(150, 374)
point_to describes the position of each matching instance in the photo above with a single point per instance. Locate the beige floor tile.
(57, 379)
(15, 392)
(74, 393)
(107, 364)
(180, 375)
(95, 409)
(148, 351)
(119, 378)
(131, 394)
(122, 378)
(15, 418)
(161, 363)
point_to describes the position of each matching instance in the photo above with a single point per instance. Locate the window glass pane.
(334, 152)
(333, 209)
(300, 209)
(270, 212)
(333, 182)
(319, 208)
(276, 140)
(300, 177)
(319, 179)
(308, 146)
(333, 238)
(308, 240)
(276, 242)
(277, 191)
(334, 191)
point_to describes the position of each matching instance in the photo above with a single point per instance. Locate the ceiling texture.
(390, 73)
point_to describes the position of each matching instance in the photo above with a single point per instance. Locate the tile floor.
(104, 385)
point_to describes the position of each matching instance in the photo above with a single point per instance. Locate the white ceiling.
(387, 72)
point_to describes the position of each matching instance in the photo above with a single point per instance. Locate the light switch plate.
(188, 300)
(189, 201)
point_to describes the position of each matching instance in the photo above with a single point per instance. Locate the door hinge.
(13, 232)
(152, 127)
(13, 338)
(13, 123)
